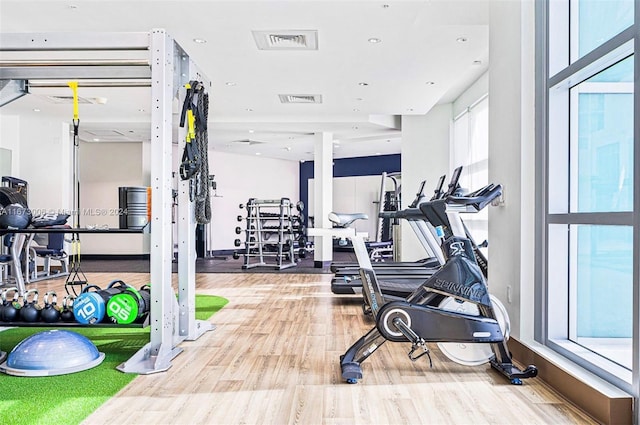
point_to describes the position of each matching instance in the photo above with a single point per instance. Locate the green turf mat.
(68, 399)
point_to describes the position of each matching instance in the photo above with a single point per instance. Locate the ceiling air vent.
(286, 39)
(247, 142)
(69, 99)
(300, 98)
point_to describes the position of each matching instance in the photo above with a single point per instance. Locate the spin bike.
(452, 308)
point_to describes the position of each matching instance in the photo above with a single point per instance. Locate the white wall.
(425, 156)
(355, 194)
(104, 167)
(10, 138)
(511, 153)
(41, 150)
(474, 92)
(240, 177)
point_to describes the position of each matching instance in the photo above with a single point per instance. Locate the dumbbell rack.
(269, 234)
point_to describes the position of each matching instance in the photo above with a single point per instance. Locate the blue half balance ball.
(52, 352)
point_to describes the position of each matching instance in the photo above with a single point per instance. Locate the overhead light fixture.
(410, 109)
(461, 39)
(359, 99)
(429, 83)
(363, 84)
(374, 40)
(385, 6)
(251, 131)
(476, 63)
(199, 40)
(378, 153)
(36, 110)
(229, 83)
(249, 110)
(355, 127)
(336, 142)
(287, 148)
(356, 110)
(140, 110)
(96, 140)
(258, 153)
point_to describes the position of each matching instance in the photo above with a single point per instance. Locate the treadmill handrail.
(482, 198)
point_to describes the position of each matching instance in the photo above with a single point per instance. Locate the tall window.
(470, 148)
(588, 223)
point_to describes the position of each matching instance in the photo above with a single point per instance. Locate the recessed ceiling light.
(251, 131)
(378, 153)
(140, 110)
(374, 40)
(291, 137)
(461, 39)
(336, 142)
(429, 83)
(410, 109)
(96, 140)
(359, 99)
(355, 127)
(258, 153)
(356, 110)
(287, 148)
(229, 83)
(36, 110)
(199, 40)
(476, 63)
(73, 6)
(385, 6)
(363, 84)
(249, 110)
(336, 147)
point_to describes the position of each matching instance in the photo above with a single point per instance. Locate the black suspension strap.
(195, 160)
(76, 276)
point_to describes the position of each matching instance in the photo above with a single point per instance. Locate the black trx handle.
(190, 161)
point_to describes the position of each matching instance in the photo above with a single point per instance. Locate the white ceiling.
(420, 44)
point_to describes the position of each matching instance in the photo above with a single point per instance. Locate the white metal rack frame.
(166, 71)
(262, 222)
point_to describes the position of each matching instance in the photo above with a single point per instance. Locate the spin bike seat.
(345, 220)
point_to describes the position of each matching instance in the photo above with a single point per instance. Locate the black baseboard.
(102, 257)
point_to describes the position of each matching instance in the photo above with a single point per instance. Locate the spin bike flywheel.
(473, 354)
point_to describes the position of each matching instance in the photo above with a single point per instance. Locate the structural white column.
(323, 196)
(511, 154)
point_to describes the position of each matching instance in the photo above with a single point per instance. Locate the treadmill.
(420, 228)
(400, 282)
(402, 287)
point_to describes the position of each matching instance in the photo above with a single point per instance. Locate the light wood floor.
(274, 359)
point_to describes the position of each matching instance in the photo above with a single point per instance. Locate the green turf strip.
(68, 399)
